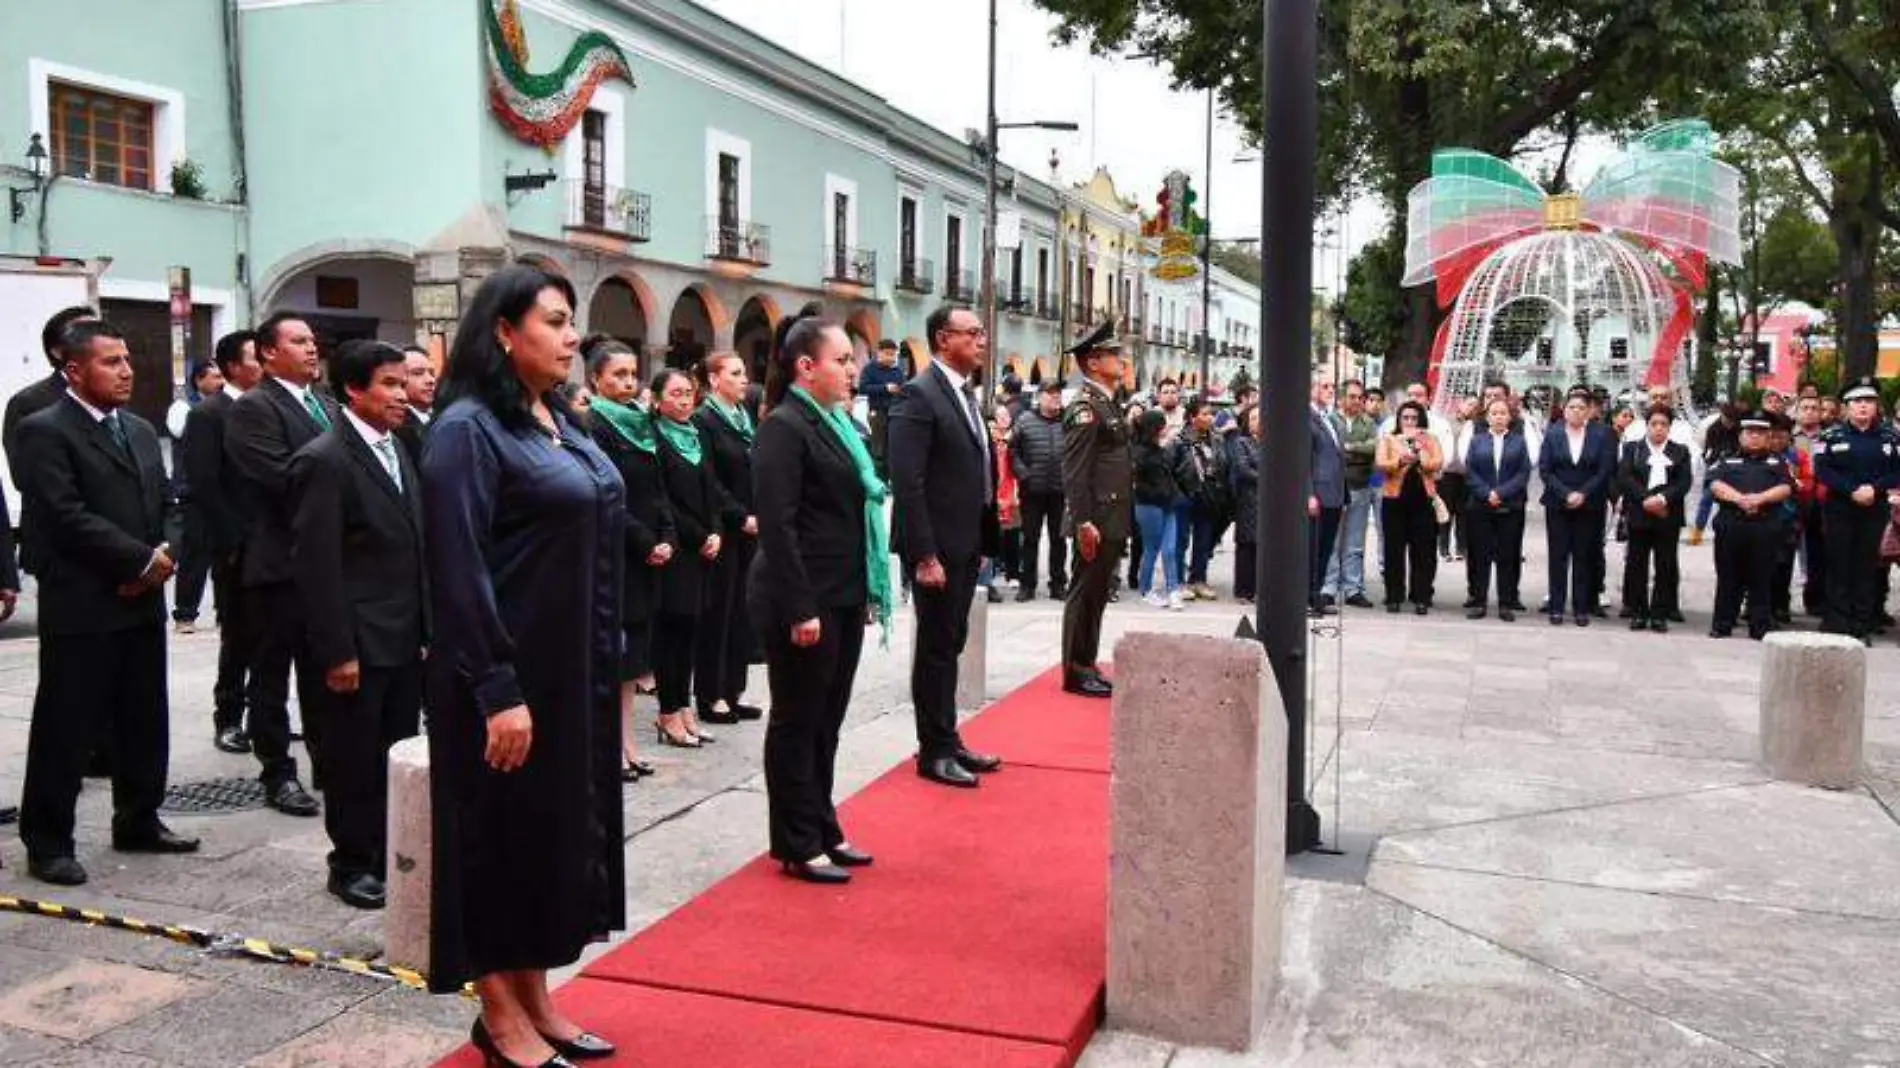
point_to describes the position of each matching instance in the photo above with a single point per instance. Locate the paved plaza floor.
(1557, 850)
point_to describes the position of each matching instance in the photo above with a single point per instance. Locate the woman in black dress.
(726, 639)
(624, 431)
(523, 517)
(703, 516)
(822, 571)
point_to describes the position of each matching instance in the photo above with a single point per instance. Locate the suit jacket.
(1510, 480)
(98, 516)
(946, 507)
(649, 521)
(263, 430)
(218, 495)
(37, 397)
(414, 434)
(357, 551)
(1588, 474)
(701, 507)
(810, 505)
(1632, 485)
(1329, 458)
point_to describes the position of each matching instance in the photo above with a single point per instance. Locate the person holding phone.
(1410, 458)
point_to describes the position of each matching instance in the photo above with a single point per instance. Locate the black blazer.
(1589, 474)
(938, 476)
(1484, 476)
(357, 552)
(414, 434)
(731, 455)
(810, 504)
(217, 493)
(38, 397)
(98, 515)
(262, 431)
(649, 521)
(1632, 485)
(701, 507)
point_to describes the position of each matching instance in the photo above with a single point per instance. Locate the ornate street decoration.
(1179, 228)
(541, 109)
(1557, 289)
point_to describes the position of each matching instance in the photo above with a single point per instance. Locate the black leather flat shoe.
(1088, 686)
(159, 839)
(845, 856)
(493, 1057)
(1474, 612)
(947, 771)
(289, 798)
(723, 717)
(748, 712)
(232, 740)
(586, 1046)
(1638, 623)
(983, 763)
(9, 814)
(1506, 615)
(59, 871)
(1659, 625)
(359, 890)
(812, 872)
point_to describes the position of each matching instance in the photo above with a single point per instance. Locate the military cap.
(1865, 387)
(1100, 339)
(1757, 419)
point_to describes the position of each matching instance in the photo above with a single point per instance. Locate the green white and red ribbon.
(541, 109)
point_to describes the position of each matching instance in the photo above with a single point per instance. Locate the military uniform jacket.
(1751, 474)
(1847, 459)
(1097, 470)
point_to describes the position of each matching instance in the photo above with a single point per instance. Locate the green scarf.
(877, 541)
(736, 415)
(634, 425)
(684, 437)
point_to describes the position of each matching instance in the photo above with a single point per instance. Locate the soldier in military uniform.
(1749, 526)
(1098, 484)
(1857, 461)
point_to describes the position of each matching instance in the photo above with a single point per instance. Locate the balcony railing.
(916, 275)
(738, 240)
(959, 285)
(1047, 307)
(609, 210)
(854, 266)
(1079, 316)
(1154, 333)
(1012, 298)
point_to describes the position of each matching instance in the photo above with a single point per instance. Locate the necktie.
(117, 428)
(315, 406)
(386, 452)
(982, 439)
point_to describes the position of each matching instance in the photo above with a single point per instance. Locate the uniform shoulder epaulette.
(1079, 413)
(1834, 433)
(1730, 460)
(1773, 461)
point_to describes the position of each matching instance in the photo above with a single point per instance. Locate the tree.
(1240, 260)
(1373, 310)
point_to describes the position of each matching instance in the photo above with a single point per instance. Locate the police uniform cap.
(1756, 419)
(1100, 339)
(1865, 387)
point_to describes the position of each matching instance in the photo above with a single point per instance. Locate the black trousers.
(1814, 561)
(1323, 533)
(276, 614)
(1496, 545)
(1853, 566)
(194, 565)
(1082, 611)
(1574, 537)
(811, 691)
(1410, 550)
(725, 640)
(1456, 493)
(943, 625)
(92, 685)
(1042, 513)
(237, 642)
(1246, 568)
(358, 730)
(1647, 545)
(1745, 565)
(675, 644)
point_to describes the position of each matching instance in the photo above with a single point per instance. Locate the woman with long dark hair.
(523, 518)
(726, 640)
(1157, 500)
(822, 571)
(1411, 459)
(704, 517)
(1243, 467)
(623, 429)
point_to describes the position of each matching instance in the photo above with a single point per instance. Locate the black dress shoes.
(60, 871)
(493, 1057)
(9, 814)
(288, 797)
(812, 871)
(1474, 611)
(982, 763)
(748, 712)
(156, 839)
(1087, 686)
(358, 890)
(1506, 615)
(846, 857)
(1583, 619)
(1359, 600)
(1720, 632)
(232, 740)
(1675, 616)
(1659, 625)
(586, 1046)
(1556, 619)
(1638, 622)
(725, 718)
(947, 771)
(1025, 595)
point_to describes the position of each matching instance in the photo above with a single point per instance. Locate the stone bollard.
(1198, 837)
(973, 671)
(1813, 708)
(411, 852)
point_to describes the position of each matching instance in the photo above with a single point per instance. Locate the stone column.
(1813, 708)
(411, 853)
(973, 671)
(1198, 837)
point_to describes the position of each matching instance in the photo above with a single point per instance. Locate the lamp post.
(36, 169)
(1732, 353)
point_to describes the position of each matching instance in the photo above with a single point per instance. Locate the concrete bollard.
(973, 671)
(1813, 708)
(411, 853)
(1198, 836)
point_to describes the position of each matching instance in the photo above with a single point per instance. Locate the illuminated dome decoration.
(1571, 288)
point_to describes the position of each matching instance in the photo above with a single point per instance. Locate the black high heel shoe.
(493, 1057)
(635, 770)
(587, 1046)
(813, 872)
(844, 856)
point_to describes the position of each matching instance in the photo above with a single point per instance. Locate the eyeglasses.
(973, 331)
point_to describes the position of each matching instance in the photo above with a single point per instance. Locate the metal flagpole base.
(1302, 827)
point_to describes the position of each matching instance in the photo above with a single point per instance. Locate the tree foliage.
(1240, 260)
(1373, 310)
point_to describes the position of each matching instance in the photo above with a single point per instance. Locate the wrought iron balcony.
(959, 285)
(916, 275)
(738, 240)
(854, 266)
(607, 209)
(1012, 299)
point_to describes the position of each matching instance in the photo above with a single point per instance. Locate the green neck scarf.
(684, 437)
(877, 542)
(735, 415)
(634, 425)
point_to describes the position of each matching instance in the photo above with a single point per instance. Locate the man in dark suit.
(40, 395)
(263, 430)
(1576, 465)
(224, 518)
(97, 482)
(1326, 499)
(419, 380)
(946, 522)
(357, 558)
(1498, 475)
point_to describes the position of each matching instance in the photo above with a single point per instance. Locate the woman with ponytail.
(726, 640)
(822, 573)
(624, 431)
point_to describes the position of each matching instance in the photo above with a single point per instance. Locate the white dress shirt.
(382, 444)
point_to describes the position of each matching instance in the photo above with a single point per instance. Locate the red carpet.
(978, 938)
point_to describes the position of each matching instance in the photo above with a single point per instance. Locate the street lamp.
(1732, 354)
(36, 168)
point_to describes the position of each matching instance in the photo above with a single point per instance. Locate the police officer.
(1857, 462)
(1749, 525)
(1098, 484)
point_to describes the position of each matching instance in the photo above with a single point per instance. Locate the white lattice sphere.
(1559, 308)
